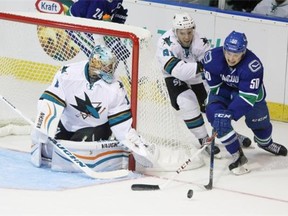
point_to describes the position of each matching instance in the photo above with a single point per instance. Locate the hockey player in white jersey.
(179, 52)
(84, 104)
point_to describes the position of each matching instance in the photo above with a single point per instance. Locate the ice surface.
(264, 191)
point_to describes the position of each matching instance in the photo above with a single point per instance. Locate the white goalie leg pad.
(48, 117)
(46, 123)
(36, 158)
(144, 153)
(98, 155)
(37, 138)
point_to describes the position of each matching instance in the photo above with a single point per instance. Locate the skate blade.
(241, 170)
(218, 156)
(249, 147)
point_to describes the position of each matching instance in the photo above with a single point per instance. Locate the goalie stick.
(69, 155)
(149, 187)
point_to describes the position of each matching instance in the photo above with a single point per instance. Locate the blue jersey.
(94, 9)
(241, 85)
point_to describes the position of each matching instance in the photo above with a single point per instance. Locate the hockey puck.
(190, 193)
(246, 142)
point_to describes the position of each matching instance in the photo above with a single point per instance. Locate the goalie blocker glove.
(144, 153)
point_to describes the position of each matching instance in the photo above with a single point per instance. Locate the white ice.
(264, 191)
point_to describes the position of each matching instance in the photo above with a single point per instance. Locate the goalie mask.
(102, 63)
(183, 28)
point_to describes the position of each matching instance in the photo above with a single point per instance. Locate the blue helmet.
(235, 42)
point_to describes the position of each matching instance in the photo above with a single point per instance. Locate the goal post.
(34, 46)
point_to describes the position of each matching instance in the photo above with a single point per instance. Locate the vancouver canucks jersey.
(180, 62)
(242, 84)
(89, 105)
(94, 9)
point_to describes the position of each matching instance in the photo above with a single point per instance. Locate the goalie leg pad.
(98, 155)
(36, 158)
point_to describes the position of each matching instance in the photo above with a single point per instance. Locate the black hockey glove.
(120, 15)
(200, 68)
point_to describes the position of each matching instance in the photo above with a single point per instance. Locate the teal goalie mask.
(102, 62)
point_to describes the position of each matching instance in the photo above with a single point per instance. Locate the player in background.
(276, 8)
(235, 76)
(179, 52)
(84, 104)
(106, 10)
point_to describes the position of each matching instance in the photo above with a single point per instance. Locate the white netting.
(31, 54)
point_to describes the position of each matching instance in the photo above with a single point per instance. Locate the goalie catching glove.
(144, 153)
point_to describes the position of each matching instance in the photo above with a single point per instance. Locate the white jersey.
(89, 105)
(179, 62)
(271, 8)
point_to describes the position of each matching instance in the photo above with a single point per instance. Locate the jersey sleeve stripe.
(168, 67)
(119, 117)
(53, 98)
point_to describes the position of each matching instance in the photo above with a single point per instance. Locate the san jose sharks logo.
(167, 41)
(87, 109)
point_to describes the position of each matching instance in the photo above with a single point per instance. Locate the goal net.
(34, 46)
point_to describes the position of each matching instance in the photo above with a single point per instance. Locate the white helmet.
(102, 62)
(183, 21)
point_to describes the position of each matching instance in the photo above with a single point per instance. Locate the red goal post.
(34, 46)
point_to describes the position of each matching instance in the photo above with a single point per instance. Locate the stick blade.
(144, 187)
(208, 186)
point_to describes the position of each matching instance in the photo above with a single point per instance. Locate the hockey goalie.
(87, 110)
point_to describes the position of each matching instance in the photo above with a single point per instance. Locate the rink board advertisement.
(267, 38)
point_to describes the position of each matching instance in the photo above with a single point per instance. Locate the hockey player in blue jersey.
(179, 52)
(97, 9)
(106, 10)
(235, 77)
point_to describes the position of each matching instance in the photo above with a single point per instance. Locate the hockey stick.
(69, 155)
(209, 186)
(149, 187)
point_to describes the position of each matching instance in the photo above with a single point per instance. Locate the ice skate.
(217, 153)
(244, 141)
(275, 149)
(239, 164)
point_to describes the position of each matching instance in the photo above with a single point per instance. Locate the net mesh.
(32, 53)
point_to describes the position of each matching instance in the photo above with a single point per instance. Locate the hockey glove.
(145, 153)
(200, 68)
(120, 15)
(222, 122)
(118, 48)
